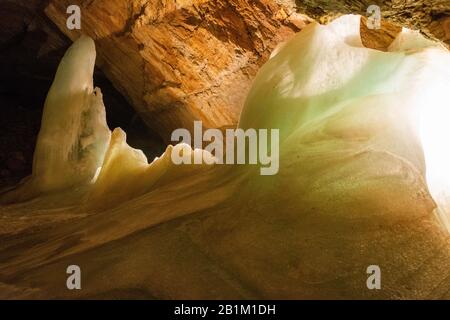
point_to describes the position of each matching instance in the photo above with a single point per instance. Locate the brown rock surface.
(428, 16)
(182, 61)
(179, 61)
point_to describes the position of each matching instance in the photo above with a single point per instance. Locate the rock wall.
(179, 61)
(431, 17)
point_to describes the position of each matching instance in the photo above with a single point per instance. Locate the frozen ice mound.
(330, 96)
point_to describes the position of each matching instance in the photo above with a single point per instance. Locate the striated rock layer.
(179, 61)
(432, 17)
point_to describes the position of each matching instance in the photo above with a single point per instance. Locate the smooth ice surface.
(324, 88)
(126, 173)
(74, 135)
(361, 131)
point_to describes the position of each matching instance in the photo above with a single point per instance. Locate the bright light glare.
(435, 136)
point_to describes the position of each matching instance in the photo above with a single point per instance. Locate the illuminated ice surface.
(361, 132)
(74, 135)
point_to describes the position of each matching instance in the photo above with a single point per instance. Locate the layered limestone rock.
(359, 142)
(432, 17)
(180, 61)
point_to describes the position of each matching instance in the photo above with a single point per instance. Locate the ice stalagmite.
(74, 139)
(74, 135)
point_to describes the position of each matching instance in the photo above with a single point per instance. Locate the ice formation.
(74, 135)
(361, 131)
(74, 146)
(327, 92)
